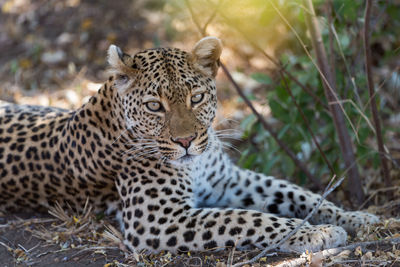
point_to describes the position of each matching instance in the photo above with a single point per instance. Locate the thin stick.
(194, 18)
(354, 185)
(93, 248)
(9, 249)
(231, 254)
(335, 251)
(327, 191)
(26, 222)
(370, 82)
(331, 48)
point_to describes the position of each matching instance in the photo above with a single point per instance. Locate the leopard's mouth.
(181, 155)
(187, 158)
(184, 160)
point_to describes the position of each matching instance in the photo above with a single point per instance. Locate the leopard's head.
(168, 97)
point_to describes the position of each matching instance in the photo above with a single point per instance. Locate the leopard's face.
(169, 99)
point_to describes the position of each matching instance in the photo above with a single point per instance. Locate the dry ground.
(63, 239)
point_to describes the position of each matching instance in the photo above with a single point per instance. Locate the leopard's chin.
(187, 158)
(184, 160)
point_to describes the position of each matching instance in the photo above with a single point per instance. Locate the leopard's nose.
(184, 141)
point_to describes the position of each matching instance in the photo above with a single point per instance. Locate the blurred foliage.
(241, 24)
(347, 55)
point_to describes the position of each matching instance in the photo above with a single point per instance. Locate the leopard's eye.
(154, 106)
(197, 98)
(122, 77)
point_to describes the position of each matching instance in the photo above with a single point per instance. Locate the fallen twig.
(22, 222)
(6, 246)
(231, 254)
(335, 251)
(55, 251)
(94, 248)
(327, 191)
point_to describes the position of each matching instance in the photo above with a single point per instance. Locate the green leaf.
(344, 41)
(99, 216)
(261, 78)
(279, 111)
(248, 162)
(283, 130)
(270, 163)
(363, 133)
(376, 161)
(14, 66)
(248, 122)
(288, 166)
(281, 93)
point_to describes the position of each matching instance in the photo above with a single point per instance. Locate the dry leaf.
(358, 251)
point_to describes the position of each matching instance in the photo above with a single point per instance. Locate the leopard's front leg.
(159, 214)
(229, 186)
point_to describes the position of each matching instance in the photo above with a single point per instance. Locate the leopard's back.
(35, 159)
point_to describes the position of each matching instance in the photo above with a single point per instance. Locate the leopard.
(145, 148)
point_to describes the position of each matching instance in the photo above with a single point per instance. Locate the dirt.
(20, 247)
(41, 240)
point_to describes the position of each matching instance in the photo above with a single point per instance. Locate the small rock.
(53, 57)
(72, 97)
(65, 38)
(93, 87)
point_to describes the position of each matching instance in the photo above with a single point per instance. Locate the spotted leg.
(226, 185)
(159, 214)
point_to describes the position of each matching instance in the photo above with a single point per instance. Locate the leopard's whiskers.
(123, 132)
(230, 146)
(144, 154)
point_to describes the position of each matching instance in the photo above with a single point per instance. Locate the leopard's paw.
(353, 220)
(315, 238)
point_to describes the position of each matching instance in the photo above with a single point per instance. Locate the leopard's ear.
(206, 55)
(123, 67)
(120, 61)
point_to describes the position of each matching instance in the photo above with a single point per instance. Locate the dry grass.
(83, 235)
(75, 230)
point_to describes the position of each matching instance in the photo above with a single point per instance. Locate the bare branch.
(194, 18)
(346, 146)
(329, 7)
(370, 82)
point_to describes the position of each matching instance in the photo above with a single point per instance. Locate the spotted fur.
(145, 143)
